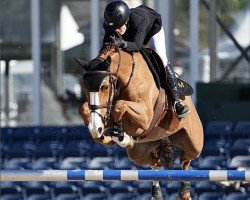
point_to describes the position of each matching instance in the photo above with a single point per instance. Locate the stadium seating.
(65, 188)
(226, 146)
(68, 197)
(45, 163)
(93, 187)
(97, 196)
(174, 196)
(8, 189)
(238, 196)
(239, 161)
(101, 163)
(240, 146)
(242, 130)
(144, 187)
(74, 163)
(73, 149)
(40, 197)
(18, 163)
(37, 189)
(202, 187)
(97, 150)
(125, 196)
(146, 196)
(121, 187)
(213, 163)
(218, 129)
(211, 196)
(124, 163)
(214, 147)
(12, 197)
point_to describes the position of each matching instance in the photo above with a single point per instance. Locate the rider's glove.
(119, 42)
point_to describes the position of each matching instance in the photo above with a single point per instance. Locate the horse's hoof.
(181, 198)
(186, 196)
(157, 198)
(156, 193)
(184, 191)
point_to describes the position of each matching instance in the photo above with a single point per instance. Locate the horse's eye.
(104, 88)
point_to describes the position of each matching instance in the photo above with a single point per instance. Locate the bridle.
(113, 83)
(115, 86)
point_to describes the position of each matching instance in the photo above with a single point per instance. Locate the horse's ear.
(104, 65)
(84, 64)
(108, 61)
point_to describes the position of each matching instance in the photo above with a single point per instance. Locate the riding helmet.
(116, 14)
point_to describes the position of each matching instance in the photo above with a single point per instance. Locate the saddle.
(159, 73)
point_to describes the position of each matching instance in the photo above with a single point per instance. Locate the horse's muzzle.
(96, 126)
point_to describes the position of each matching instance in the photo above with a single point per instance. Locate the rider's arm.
(136, 33)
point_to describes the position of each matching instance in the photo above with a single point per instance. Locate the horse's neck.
(134, 74)
(123, 67)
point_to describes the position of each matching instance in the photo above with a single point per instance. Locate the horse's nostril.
(99, 130)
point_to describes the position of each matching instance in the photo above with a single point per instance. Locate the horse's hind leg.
(141, 154)
(185, 189)
(156, 189)
(191, 150)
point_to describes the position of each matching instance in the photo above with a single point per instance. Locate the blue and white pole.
(124, 175)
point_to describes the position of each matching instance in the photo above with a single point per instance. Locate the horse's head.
(99, 87)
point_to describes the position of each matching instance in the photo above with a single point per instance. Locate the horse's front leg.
(136, 111)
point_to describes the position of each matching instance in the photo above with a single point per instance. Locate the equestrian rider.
(141, 26)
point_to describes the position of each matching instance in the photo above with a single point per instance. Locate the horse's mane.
(110, 46)
(107, 47)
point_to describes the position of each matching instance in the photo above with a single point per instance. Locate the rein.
(113, 80)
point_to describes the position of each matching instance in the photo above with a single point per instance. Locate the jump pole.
(124, 175)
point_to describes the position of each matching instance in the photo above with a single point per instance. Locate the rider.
(141, 26)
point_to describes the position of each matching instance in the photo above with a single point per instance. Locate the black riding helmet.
(116, 14)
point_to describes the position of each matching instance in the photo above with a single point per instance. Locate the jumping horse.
(121, 93)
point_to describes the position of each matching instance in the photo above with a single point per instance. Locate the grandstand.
(209, 48)
(226, 147)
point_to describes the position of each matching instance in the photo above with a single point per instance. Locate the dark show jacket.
(143, 23)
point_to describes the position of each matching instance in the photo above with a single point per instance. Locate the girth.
(159, 113)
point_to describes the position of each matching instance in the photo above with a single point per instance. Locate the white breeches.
(157, 43)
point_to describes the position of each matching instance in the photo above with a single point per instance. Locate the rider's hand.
(119, 42)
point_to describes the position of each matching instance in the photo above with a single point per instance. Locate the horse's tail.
(166, 154)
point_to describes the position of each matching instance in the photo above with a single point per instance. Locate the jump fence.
(124, 175)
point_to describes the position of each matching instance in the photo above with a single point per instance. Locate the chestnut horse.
(122, 94)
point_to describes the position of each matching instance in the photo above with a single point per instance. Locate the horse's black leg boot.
(118, 130)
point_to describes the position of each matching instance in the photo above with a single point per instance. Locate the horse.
(121, 93)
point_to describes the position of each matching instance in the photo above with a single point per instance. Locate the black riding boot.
(182, 110)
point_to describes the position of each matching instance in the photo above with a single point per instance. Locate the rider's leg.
(157, 43)
(181, 109)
